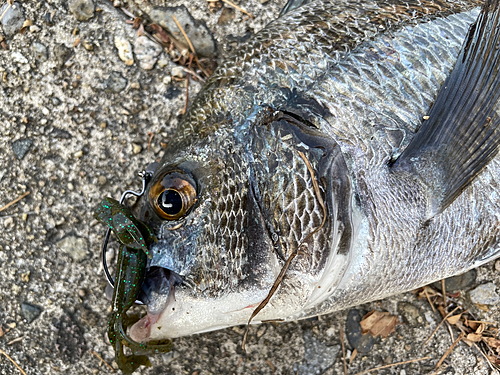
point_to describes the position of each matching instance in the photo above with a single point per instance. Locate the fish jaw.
(186, 315)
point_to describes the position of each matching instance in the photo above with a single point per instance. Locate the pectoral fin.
(462, 133)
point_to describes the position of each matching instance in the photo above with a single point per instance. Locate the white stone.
(124, 50)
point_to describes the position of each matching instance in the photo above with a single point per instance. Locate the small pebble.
(136, 149)
(70, 186)
(102, 180)
(178, 72)
(78, 154)
(146, 52)
(13, 18)
(34, 29)
(163, 61)
(485, 295)
(88, 45)
(124, 50)
(21, 147)
(410, 313)
(62, 54)
(8, 222)
(19, 58)
(83, 10)
(115, 83)
(363, 343)
(458, 282)
(30, 312)
(167, 80)
(39, 52)
(24, 217)
(75, 247)
(199, 34)
(135, 85)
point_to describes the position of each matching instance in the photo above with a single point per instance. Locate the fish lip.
(159, 284)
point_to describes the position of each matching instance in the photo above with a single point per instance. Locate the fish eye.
(173, 195)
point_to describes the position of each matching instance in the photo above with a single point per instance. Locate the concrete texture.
(75, 121)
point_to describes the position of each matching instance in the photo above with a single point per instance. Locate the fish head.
(229, 209)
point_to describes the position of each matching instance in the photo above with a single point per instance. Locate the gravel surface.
(77, 112)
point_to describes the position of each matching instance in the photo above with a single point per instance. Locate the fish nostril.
(158, 288)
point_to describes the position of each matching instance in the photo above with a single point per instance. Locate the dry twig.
(393, 364)
(14, 201)
(443, 290)
(184, 34)
(102, 360)
(5, 11)
(428, 299)
(237, 7)
(439, 325)
(14, 362)
(449, 350)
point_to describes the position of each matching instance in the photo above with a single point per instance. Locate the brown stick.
(237, 7)
(14, 201)
(184, 34)
(5, 12)
(439, 325)
(14, 362)
(429, 300)
(449, 350)
(393, 364)
(102, 360)
(343, 350)
(443, 289)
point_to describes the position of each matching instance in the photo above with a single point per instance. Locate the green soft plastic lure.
(135, 237)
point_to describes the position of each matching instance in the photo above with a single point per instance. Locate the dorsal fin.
(462, 133)
(293, 4)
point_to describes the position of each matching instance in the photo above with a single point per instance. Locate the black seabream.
(346, 153)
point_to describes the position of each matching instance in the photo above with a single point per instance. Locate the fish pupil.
(170, 202)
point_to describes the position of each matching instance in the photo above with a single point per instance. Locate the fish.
(346, 153)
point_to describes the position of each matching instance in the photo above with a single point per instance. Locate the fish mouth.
(158, 288)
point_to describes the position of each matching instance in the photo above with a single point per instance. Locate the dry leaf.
(471, 324)
(454, 319)
(442, 311)
(492, 342)
(353, 355)
(26, 24)
(480, 306)
(379, 323)
(494, 359)
(474, 337)
(137, 22)
(481, 328)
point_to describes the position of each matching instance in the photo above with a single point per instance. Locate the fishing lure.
(135, 238)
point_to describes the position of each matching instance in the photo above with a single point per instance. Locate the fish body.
(306, 154)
